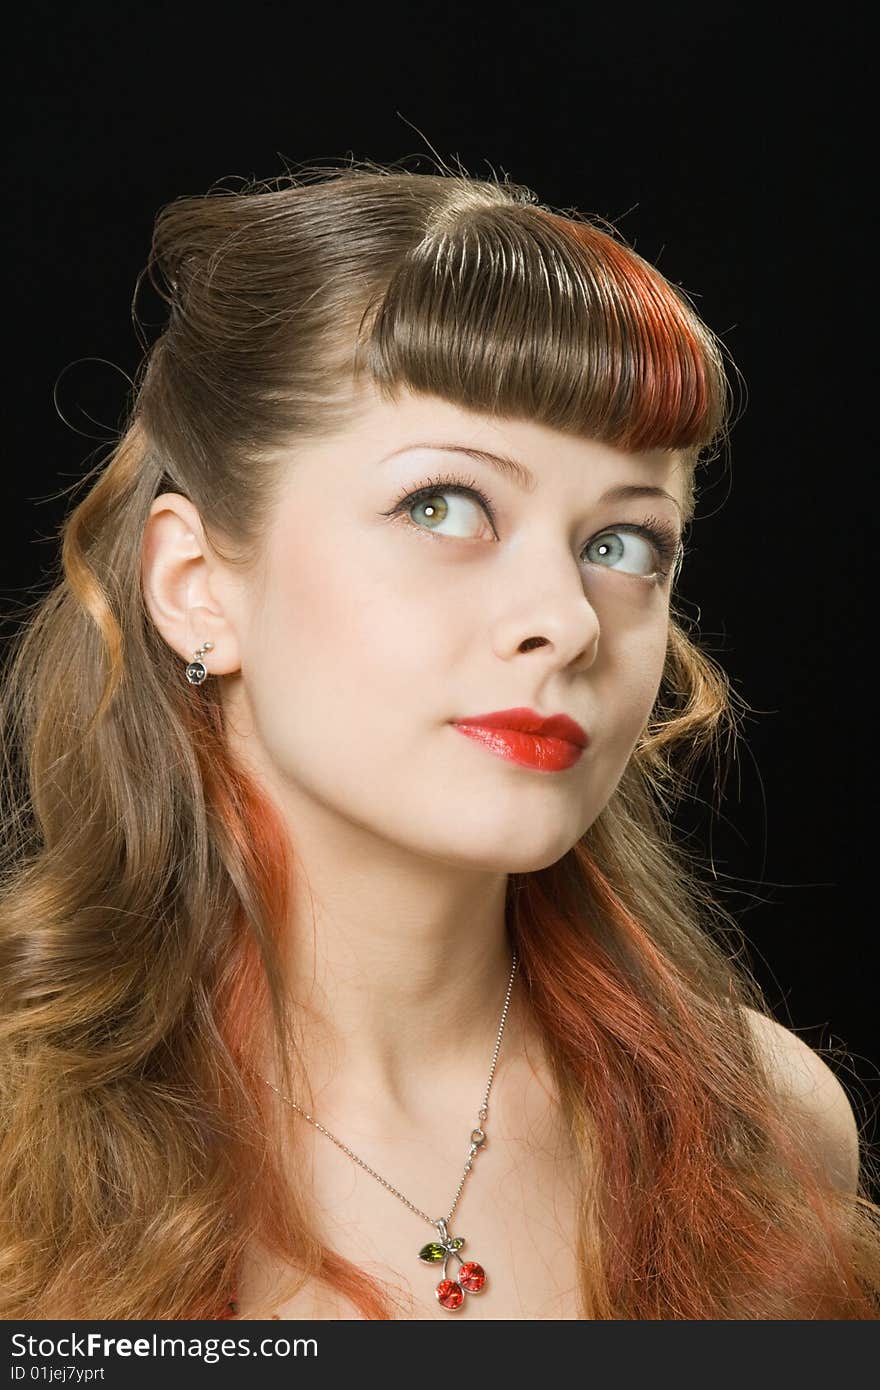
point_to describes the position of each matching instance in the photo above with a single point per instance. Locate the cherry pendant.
(471, 1276)
(449, 1294)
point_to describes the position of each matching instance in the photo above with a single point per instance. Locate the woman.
(351, 967)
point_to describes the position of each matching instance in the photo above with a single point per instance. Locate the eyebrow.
(525, 479)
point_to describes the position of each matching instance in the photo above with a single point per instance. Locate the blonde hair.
(145, 877)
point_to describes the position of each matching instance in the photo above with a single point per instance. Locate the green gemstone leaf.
(457, 1243)
(432, 1253)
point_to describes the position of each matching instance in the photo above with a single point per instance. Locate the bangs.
(516, 311)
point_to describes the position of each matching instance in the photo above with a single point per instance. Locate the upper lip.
(528, 721)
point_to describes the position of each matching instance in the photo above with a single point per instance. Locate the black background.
(730, 148)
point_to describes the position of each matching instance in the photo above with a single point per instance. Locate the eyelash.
(662, 534)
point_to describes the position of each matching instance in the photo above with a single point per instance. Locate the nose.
(550, 608)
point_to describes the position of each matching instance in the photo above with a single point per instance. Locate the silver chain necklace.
(471, 1277)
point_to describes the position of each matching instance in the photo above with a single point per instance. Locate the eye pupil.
(432, 505)
(604, 547)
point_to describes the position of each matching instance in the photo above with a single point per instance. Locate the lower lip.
(529, 750)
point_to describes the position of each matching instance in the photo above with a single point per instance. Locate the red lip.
(524, 737)
(526, 721)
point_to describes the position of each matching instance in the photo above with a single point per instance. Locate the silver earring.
(197, 671)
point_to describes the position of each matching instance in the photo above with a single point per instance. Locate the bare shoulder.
(813, 1088)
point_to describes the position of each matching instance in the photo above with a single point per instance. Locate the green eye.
(434, 498)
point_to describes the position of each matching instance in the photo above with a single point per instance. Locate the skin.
(343, 660)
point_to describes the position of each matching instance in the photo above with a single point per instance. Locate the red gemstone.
(449, 1294)
(472, 1277)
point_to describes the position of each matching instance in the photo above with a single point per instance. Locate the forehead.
(416, 421)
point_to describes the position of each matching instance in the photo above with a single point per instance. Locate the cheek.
(372, 630)
(341, 644)
(625, 679)
(639, 683)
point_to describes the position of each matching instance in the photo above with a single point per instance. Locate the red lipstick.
(527, 738)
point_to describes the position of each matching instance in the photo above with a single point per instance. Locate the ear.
(188, 591)
(811, 1087)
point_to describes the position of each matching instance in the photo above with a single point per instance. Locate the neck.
(398, 967)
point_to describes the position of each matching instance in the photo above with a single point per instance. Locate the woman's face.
(370, 630)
